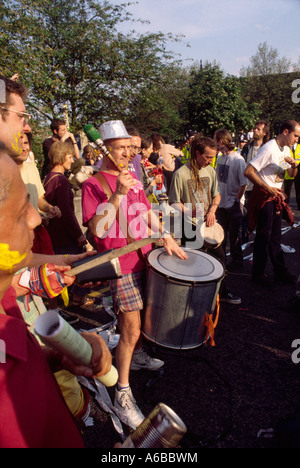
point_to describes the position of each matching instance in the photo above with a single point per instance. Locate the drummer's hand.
(69, 260)
(124, 183)
(68, 280)
(210, 219)
(171, 247)
(88, 285)
(291, 161)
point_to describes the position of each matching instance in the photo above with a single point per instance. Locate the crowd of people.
(242, 186)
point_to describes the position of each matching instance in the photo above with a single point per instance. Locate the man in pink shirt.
(116, 211)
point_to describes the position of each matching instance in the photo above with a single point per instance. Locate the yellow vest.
(187, 154)
(296, 155)
(214, 163)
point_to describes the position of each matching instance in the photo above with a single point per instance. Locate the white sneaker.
(127, 408)
(141, 360)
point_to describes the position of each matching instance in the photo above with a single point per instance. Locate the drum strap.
(211, 325)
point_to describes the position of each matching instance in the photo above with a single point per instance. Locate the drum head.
(212, 235)
(199, 267)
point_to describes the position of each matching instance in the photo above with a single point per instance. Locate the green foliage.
(72, 53)
(216, 101)
(266, 62)
(268, 82)
(160, 106)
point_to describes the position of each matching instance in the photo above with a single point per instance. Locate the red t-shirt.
(33, 413)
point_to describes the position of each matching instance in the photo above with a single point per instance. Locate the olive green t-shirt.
(183, 188)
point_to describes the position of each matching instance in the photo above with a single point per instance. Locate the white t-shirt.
(270, 164)
(31, 178)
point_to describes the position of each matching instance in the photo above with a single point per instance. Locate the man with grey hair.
(112, 201)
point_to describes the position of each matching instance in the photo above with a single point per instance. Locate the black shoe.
(261, 280)
(245, 240)
(230, 298)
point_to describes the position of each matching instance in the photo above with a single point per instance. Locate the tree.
(160, 105)
(71, 53)
(268, 82)
(215, 101)
(266, 62)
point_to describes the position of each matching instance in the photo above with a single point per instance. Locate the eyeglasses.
(135, 148)
(22, 115)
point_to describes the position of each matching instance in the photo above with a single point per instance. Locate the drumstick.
(120, 167)
(111, 256)
(100, 144)
(117, 166)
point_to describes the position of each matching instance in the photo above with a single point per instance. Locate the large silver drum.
(179, 296)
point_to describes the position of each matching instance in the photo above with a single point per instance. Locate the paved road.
(234, 394)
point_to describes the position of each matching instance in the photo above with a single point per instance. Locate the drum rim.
(185, 281)
(175, 277)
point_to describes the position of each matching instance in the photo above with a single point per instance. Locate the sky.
(227, 32)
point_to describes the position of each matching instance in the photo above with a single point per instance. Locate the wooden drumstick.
(120, 167)
(111, 256)
(117, 166)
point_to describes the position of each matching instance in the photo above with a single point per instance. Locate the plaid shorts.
(128, 292)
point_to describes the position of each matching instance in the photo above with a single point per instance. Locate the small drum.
(106, 271)
(179, 295)
(213, 235)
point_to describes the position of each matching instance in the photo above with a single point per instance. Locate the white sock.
(121, 387)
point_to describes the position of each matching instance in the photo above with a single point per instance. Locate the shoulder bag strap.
(55, 175)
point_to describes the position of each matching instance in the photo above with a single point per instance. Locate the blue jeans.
(231, 220)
